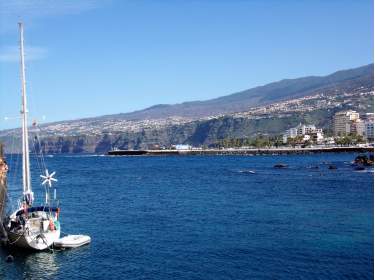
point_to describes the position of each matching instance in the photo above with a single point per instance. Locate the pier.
(239, 151)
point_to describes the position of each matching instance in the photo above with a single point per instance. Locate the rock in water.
(364, 160)
(359, 168)
(280, 165)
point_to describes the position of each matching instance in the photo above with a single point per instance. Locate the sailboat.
(30, 226)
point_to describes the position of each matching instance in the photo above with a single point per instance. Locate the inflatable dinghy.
(72, 241)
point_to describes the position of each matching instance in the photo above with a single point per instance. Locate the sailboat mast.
(25, 139)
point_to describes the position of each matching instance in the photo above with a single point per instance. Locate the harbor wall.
(271, 151)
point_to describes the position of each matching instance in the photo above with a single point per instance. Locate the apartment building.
(307, 131)
(344, 122)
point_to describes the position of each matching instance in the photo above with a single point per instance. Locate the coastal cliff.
(196, 133)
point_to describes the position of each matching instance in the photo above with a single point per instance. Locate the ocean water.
(199, 217)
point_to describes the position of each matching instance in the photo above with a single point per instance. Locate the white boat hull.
(38, 242)
(36, 230)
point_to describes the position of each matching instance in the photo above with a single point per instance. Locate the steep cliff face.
(207, 132)
(71, 144)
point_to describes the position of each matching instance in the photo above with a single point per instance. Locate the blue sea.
(206, 217)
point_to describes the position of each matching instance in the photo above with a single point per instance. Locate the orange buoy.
(51, 225)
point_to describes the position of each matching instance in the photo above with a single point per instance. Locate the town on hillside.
(325, 118)
(349, 129)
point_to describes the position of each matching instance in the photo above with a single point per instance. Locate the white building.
(306, 137)
(369, 126)
(369, 130)
(290, 133)
(307, 131)
(342, 122)
(317, 137)
(357, 127)
(329, 141)
(183, 147)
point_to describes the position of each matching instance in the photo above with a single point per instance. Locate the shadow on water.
(27, 264)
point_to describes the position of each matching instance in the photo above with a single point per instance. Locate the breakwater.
(263, 151)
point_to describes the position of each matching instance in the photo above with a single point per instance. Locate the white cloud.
(11, 53)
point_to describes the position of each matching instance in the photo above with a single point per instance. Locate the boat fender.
(24, 206)
(57, 214)
(51, 225)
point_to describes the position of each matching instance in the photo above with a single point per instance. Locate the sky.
(89, 58)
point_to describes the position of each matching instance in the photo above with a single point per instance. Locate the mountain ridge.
(310, 100)
(242, 100)
(234, 102)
